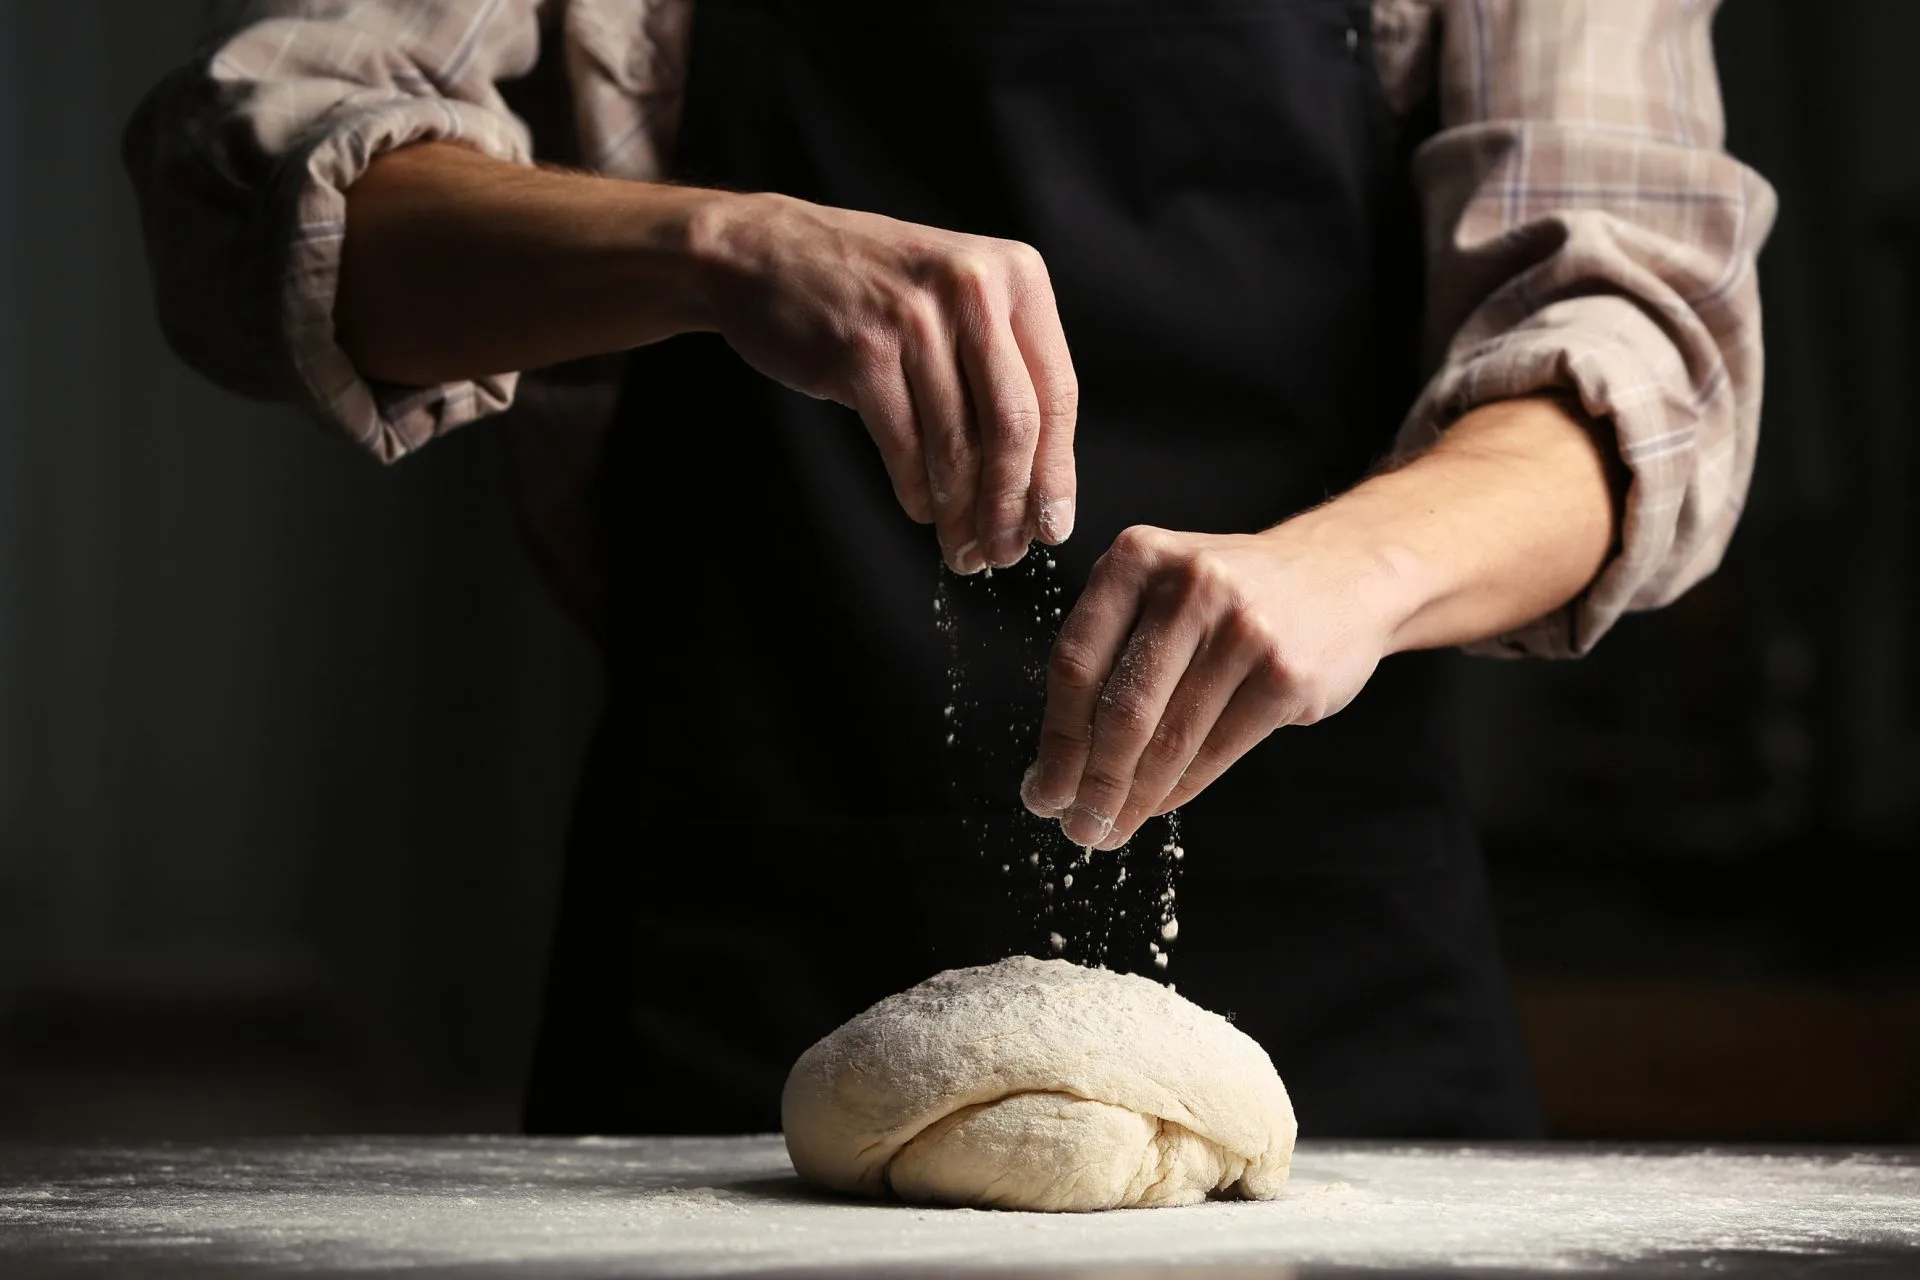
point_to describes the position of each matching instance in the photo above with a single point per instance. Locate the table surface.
(604, 1207)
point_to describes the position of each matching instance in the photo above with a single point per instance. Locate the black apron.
(803, 796)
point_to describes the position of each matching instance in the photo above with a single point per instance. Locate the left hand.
(1185, 651)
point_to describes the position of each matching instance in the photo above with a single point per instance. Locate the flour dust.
(1113, 910)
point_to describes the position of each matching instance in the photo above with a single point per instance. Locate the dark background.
(287, 740)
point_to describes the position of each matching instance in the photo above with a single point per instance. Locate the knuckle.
(1208, 763)
(1176, 739)
(1073, 666)
(1197, 581)
(1173, 743)
(1243, 630)
(1273, 668)
(1025, 258)
(950, 450)
(1209, 574)
(1190, 786)
(953, 458)
(1101, 780)
(1060, 400)
(922, 326)
(1274, 658)
(1016, 422)
(1136, 544)
(1065, 741)
(971, 277)
(1124, 710)
(1027, 269)
(1003, 495)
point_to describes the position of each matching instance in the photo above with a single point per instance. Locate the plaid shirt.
(1585, 233)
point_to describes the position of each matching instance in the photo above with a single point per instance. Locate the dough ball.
(1037, 1084)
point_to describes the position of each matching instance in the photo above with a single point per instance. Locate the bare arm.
(948, 345)
(458, 265)
(1598, 246)
(1506, 518)
(1187, 649)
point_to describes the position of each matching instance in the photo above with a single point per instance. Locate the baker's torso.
(804, 795)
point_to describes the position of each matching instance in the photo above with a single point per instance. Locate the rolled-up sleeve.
(241, 161)
(1586, 234)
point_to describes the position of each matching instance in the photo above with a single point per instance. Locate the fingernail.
(1008, 550)
(1096, 825)
(968, 559)
(1056, 788)
(1035, 795)
(1056, 519)
(1113, 841)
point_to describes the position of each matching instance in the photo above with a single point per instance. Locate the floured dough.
(1037, 1084)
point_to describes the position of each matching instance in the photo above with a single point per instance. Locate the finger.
(885, 404)
(1132, 703)
(1054, 485)
(1203, 695)
(1089, 645)
(1247, 720)
(946, 440)
(1007, 417)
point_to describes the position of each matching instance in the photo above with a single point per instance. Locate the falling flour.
(1100, 905)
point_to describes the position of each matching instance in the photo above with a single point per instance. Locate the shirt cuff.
(388, 420)
(1611, 357)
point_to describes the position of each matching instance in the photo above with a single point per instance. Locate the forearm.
(457, 265)
(947, 345)
(1509, 516)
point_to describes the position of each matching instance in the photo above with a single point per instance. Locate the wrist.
(1389, 585)
(722, 250)
(651, 248)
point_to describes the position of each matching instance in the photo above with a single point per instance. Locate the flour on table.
(1038, 1084)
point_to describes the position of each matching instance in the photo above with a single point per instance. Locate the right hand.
(947, 345)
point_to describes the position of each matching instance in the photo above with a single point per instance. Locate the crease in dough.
(1037, 1084)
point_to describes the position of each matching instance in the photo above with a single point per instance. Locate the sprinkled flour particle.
(1160, 960)
(1057, 942)
(1034, 858)
(1066, 882)
(1170, 930)
(1178, 853)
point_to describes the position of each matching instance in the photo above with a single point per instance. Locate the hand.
(1185, 651)
(948, 346)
